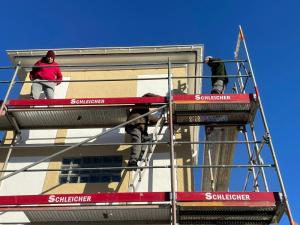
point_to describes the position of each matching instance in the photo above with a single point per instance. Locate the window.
(69, 175)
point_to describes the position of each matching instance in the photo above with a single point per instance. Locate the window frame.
(69, 175)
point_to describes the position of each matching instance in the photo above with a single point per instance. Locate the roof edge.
(107, 50)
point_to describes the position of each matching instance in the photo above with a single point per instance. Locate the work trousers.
(38, 86)
(218, 87)
(136, 138)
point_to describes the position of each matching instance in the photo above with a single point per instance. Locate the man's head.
(150, 95)
(207, 58)
(50, 56)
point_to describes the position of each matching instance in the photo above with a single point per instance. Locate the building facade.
(129, 72)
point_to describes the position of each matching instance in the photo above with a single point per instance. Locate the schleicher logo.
(212, 97)
(75, 101)
(69, 199)
(227, 197)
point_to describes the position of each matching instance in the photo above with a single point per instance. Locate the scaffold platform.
(150, 208)
(108, 112)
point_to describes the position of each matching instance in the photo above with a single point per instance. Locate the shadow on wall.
(45, 192)
(181, 88)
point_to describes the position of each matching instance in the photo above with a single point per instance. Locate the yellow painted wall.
(96, 89)
(106, 89)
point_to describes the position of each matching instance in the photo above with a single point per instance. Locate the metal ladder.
(148, 150)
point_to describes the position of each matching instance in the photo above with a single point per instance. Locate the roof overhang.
(111, 56)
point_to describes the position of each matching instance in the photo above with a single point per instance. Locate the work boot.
(132, 163)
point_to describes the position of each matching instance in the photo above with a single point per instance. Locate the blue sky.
(271, 28)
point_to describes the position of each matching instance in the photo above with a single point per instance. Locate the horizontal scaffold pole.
(129, 143)
(120, 65)
(144, 167)
(127, 79)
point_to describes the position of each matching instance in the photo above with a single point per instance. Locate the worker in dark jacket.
(219, 77)
(138, 130)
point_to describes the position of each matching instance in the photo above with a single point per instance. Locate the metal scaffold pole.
(255, 183)
(172, 158)
(259, 159)
(12, 144)
(236, 55)
(288, 210)
(12, 83)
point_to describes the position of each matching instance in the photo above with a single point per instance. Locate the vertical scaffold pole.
(12, 144)
(236, 56)
(288, 210)
(259, 159)
(11, 84)
(212, 181)
(173, 178)
(255, 184)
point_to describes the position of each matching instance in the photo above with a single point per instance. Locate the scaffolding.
(222, 117)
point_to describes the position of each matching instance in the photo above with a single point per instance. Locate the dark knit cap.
(51, 54)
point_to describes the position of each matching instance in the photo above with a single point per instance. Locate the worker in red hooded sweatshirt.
(45, 76)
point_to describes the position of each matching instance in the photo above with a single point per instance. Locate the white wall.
(78, 135)
(157, 179)
(159, 87)
(25, 183)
